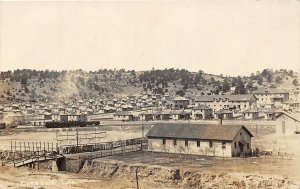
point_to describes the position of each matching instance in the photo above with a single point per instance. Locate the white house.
(273, 96)
(202, 112)
(123, 116)
(180, 103)
(251, 114)
(218, 102)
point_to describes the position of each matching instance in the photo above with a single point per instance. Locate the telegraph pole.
(77, 146)
(137, 178)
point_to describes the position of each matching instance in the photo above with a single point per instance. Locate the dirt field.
(50, 135)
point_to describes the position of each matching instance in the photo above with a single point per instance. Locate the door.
(241, 147)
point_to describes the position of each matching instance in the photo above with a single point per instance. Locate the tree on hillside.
(26, 90)
(265, 73)
(24, 79)
(295, 82)
(212, 79)
(133, 74)
(260, 80)
(180, 93)
(269, 78)
(198, 78)
(240, 87)
(96, 79)
(225, 85)
(249, 86)
(278, 80)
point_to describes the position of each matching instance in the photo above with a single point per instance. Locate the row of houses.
(262, 104)
(40, 120)
(261, 98)
(198, 113)
(15, 118)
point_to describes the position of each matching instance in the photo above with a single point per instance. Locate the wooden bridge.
(32, 153)
(35, 158)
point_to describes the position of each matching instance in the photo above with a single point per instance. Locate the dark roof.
(193, 131)
(211, 98)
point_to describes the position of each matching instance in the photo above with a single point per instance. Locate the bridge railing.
(71, 149)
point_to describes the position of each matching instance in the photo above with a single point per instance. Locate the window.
(248, 146)
(210, 144)
(234, 144)
(186, 143)
(175, 142)
(164, 141)
(241, 133)
(198, 143)
(223, 145)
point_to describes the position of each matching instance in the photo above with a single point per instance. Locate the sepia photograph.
(147, 94)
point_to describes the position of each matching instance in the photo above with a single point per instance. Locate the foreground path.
(23, 178)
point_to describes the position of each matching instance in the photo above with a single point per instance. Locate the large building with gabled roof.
(273, 96)
(210, 140)
(218, 102)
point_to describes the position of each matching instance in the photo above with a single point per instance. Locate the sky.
(221, 37)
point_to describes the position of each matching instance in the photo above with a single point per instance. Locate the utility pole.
(137, 178)
(77, 146)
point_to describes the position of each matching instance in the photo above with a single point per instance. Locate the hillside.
(24, 85)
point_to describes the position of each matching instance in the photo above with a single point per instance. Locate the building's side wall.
(157, 145)
(242, 136)
(266, 98)
(123, 117)
(179, 104)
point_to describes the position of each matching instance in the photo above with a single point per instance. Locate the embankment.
(159, 176)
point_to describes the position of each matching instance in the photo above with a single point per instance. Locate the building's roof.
(123, 113)
(222, 111)
(204, 98)
(192, 131)
(180, 98)
(202, 107)
(233, 98)
(148, 113)
(275, 97)
(250, 111)
(181, 112)
(268, 91)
